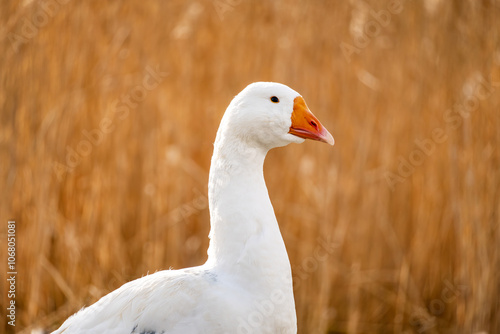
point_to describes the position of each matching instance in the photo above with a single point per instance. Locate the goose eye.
(275, 99)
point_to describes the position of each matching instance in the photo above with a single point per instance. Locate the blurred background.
(108, 115)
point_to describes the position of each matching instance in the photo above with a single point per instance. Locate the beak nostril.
(313, 123)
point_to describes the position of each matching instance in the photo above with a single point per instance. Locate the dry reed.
(372, 252)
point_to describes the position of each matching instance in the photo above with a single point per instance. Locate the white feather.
(246, 284)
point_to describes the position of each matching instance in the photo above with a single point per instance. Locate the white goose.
(246, 284)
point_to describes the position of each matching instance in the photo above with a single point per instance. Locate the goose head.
(269, 115)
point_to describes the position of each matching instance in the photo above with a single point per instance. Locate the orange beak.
(306, 125)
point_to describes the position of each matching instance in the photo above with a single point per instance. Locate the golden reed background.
(108, 115)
